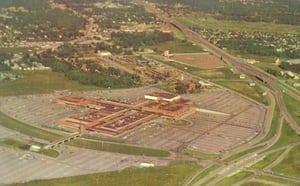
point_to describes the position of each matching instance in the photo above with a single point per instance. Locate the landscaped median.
(40, 133)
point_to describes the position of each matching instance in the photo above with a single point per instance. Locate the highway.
(238, 63)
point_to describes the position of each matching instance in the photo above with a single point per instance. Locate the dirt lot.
(202, 61)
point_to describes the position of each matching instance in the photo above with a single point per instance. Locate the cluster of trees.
(278, 11)
(40, 22)
(3, 57)
(248, 46)
(292, 67)
(96, 74)
(139, 39)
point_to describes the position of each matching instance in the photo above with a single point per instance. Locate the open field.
(212, 23)
(242, 87)
(174, 174)
(267, 160)
(290, 165)
(204, 173)
(218, 73)
(178, 46)
(202, 61)
(277, 180)
(37, 82)
(253, 183)
(23, 145)
(288, 135)
(293, 107)
(29, 130)
(235, 156)
(274, 124)
(232, 179)
(118, 148)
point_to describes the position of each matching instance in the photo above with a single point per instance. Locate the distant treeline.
(248, 46)
(95, 74)
(139, 39)
(277, 11)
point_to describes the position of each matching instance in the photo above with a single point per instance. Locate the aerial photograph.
(149, 92)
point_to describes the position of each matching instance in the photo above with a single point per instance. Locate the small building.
(35, 148)
(103, 53)
(252, 84)
(278, 62)
(243, 76)
(205, 85)
(162, 96)
(143, 164)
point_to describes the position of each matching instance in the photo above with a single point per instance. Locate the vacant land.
(290, 164)
(37, 82)
(232, 179)
(202, 61)
(174, 174)
(212, 23)
(242, 87)
(293, 107)
(178, 46)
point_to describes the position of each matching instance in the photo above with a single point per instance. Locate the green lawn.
(37, 82)
(23, 145)
(278, 180)
(232, 25)
(171, 175)
(198, 154)
(218, 73)
(26, 129)
(290, 164)
(204, 173)
(288, 136)
(293, 107)
(178, 46)
(233, 179)
(175, 122)
(118, 148)
(267, 160)
(274, 125)
(235, 156)
(242, 87)
(252, 183)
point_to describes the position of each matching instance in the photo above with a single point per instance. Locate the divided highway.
(238, 63)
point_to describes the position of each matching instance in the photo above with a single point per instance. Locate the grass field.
(204, 173)
(36, 82)
(232, 179)
(290, 164)
(293, 107)
(22, 145)
(242, 87)
(267, 160)
(274, 125)
(235, 156)
(226, 25)
(252, 183)
(287, 136)
(26, 129)
(171, 175)
(278, 180)
(218, 73)
(119, 148)
(180, 122)
(198, 154)
(178, 46)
